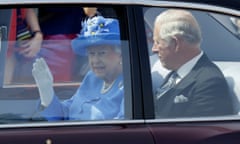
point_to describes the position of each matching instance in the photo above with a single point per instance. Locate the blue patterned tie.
(167, 85)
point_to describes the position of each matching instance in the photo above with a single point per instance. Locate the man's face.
(166, 51)
(105, 62)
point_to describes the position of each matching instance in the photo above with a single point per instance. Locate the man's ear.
(177, 42)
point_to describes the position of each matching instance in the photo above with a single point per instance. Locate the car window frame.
(187, 6)
(133, 106)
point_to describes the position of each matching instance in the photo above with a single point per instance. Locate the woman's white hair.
(172, 23)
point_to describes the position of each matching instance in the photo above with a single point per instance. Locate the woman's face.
(90, 11)
(105, 62)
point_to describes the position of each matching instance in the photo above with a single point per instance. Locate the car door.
(221, 44)
(20, 114)
(80, 133)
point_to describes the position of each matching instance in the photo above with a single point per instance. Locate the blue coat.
(88, 103)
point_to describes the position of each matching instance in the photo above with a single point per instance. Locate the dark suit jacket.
(205, 89)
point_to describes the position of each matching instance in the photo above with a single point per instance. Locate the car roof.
(146, 2)
(224, 3)
(231, 7)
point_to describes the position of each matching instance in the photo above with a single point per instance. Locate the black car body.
(141, 68)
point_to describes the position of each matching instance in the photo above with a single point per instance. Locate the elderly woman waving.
(101, 94)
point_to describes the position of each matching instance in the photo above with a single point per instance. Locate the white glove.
(44, 81)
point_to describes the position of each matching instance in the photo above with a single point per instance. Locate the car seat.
(231, 72)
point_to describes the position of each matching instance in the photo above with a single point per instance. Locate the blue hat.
(97, 31)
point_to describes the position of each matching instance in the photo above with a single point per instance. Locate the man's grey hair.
(171, 26)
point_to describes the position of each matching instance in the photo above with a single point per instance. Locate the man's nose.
(154, 49)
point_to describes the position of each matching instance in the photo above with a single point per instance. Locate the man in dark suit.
(195, 87)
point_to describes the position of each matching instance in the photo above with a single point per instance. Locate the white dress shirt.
(187, 67)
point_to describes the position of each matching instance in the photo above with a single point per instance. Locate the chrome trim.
(71, 123)
(192, 120)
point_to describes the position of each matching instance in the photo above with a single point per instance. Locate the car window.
(56, 61)
(220, 43)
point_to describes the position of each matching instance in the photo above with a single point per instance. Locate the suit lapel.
(184, 83)
(188, 80)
